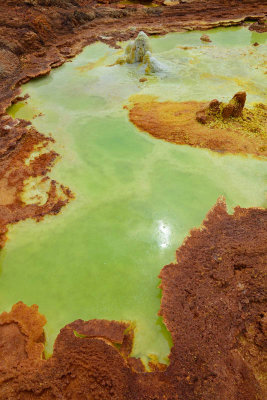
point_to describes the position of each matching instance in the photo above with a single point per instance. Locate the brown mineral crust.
(110, 330)
(205, 38)
(213, 304)
(213, 295)
(17, 142)
(215, 109)
(136, 364)
(156, 366)
(176, 122)
(235, 107)
(81, 366)
(38, 35)
(20, 98)
(21, 335)
(259, 26)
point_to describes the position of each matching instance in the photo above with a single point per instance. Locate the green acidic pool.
(136, 197)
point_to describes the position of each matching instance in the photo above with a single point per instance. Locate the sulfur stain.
(176, 122)
(246, 84)
(91, 65)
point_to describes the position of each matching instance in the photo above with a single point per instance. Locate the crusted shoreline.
(213, 305)
(213, 296)
(38, 35)
(176, 123)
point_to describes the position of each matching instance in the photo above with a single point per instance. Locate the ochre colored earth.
(213, 303)
(176, 122)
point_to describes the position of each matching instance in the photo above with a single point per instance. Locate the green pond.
(136, 197)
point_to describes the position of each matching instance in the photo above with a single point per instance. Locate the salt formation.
(136, 50)
(139, 51)
(152, 64)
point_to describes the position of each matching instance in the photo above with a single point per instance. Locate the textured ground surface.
(213, 304)
(213, 297)
(37, 35)
(17, 143)
(176, 123)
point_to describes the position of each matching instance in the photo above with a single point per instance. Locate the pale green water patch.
(136, 197)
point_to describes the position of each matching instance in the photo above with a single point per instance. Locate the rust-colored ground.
(214, 304)
(17, 142)
(213, 298)
(176, 123)
(37, 35)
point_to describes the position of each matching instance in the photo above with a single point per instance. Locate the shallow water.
(136, 197)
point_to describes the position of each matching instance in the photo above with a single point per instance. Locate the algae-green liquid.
(136, 197)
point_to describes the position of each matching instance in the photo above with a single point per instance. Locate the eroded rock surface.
(37, 35)
(213, 297)
(213, 304)
(217, 109)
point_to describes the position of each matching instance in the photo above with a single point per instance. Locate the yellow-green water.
(136, 197)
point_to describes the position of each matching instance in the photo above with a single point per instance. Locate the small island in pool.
(215, 126)
(113, 204)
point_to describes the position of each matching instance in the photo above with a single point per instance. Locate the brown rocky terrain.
(214, 303)
(213, 296)
(37, 35)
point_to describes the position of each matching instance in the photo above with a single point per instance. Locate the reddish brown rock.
(235, 107)
(212, 296)
(205, 115)
(217, 109)
(259, 26)
(205, 38)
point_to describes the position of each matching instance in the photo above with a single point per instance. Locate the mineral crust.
(215, 126)
(38, 35)
(214, 305)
